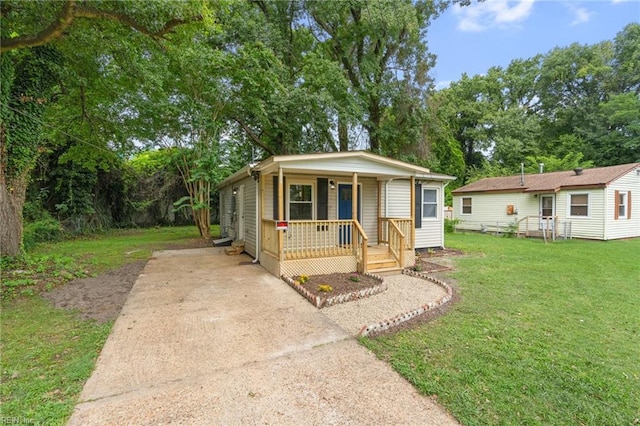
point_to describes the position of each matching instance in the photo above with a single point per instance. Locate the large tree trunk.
(11, 203)
(343, 134)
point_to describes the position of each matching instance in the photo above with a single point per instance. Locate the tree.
(28, 81)
(380, 48)
(37, 38)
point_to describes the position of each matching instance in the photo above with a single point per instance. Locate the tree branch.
(253, 136)
(63, 20)
(70, 11)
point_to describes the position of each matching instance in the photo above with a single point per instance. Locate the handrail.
(547, 231)
(396, 242)
(404, 223)
(362, 260)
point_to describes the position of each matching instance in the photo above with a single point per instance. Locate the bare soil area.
(101, 298)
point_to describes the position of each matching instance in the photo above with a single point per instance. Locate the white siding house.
(399, 208)
(599, 203)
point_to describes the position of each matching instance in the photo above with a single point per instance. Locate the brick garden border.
(322, 302)
(399, 319)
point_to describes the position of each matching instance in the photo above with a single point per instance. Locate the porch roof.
(364, 163)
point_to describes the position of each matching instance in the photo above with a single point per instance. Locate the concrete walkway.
(210, 339)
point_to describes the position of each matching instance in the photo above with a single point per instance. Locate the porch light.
(235, 191)
(332, 184)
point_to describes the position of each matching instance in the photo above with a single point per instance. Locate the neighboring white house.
(601, 203)
(295, 214)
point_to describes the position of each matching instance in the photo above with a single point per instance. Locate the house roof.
(338, 163)
(597, 177)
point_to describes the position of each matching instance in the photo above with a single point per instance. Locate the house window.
(300, 202)
(579, 205)
(430, 203)
(622, 205)
(466, 205)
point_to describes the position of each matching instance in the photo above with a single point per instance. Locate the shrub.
(44, 230)
(450, 225)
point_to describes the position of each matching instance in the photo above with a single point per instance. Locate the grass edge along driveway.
(543, 334)
(47, 354)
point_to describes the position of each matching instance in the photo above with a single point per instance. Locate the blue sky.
(493, 33)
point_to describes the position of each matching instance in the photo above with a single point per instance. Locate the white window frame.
(625, 200)
(470, 206)
(570, 205)
(437, 203)
(312, 202)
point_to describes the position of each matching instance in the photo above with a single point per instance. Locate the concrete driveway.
(206, 338)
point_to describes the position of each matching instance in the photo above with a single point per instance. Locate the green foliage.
(42, 230)
(47, 356)
(542, 334)
(450, 225)
(29, 274)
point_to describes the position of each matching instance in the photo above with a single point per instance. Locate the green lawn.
(47, 354)
(543, 334)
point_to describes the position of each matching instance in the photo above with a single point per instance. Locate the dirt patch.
(100, 298)
(341, 283)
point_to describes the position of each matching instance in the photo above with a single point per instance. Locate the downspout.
(258, 180)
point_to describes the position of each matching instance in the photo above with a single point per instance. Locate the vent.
(578, 171)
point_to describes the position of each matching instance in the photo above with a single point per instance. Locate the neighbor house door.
(547, 211)
(345, 210)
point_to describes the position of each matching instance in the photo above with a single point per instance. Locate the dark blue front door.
(345, 212)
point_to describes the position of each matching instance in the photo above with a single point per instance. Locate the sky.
(472, 39)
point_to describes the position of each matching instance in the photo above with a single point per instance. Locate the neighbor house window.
(579, 205)
(621, 202)
(300, 202)
(466, 205)
(430, 203)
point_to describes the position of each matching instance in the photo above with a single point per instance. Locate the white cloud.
(443, 84)
(481, 16)
(580, 14)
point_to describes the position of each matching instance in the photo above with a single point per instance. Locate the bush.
(450, 225)
(44, 230)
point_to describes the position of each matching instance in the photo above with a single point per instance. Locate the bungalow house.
(296, 213)
(601, 203)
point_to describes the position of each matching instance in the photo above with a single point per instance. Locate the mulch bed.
(341, 283)
(344, 287)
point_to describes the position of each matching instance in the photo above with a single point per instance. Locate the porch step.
(380, 264)
(386, 271)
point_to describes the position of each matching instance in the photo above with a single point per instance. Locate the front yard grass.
(543, 334)
(47, 354)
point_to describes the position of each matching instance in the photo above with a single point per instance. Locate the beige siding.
(623, 227)
(398, 203)
(250, 225)
(431, 233)
(591, 226)
(491, 209)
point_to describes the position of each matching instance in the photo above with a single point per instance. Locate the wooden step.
(381, 264)
(386, 271)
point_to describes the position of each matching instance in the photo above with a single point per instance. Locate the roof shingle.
(550, 182)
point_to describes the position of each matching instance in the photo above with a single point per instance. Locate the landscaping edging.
(399, 319)
(322, 302)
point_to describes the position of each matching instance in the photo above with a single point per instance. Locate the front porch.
(325, 246)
